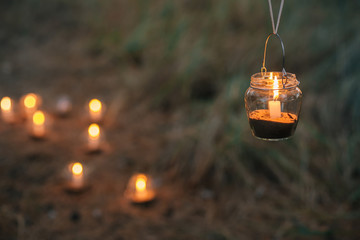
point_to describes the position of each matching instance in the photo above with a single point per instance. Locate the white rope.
(275, 29)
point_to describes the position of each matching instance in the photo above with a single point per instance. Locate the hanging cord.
(275, 29)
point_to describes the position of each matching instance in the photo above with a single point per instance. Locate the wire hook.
(263, 68)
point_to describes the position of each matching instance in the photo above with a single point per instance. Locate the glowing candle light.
(141, 184)
(94, 137)
(38, 125)
(95, 110)
(139, 189)
(30, 103)
(77, 179)
(7, 111)
(275, 105)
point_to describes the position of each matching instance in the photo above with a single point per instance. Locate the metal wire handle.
(263, 68)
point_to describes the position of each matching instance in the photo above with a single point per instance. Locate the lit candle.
(7, 111)
(77, 179)
(30, 103)
(275, 105)
(139, 189)
(38, 125)
(95, 110)
(94, 137)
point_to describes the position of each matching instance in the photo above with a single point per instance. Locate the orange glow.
(38, 118)
(95, 105)
(141, 183)
(5, 104)
(94, 130)
(30, 100)
(140, 189)
(77, 169)
(276, 86)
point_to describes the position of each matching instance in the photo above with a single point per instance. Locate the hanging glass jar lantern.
(273, 102)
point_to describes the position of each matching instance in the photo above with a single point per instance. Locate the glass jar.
(273, 103)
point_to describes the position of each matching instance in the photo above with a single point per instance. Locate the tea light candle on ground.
(7, 111)
(139, 189)
(94, 137)
(30, 104)
(77, 176)
(63, 105)
(38, 125)
(95, 110)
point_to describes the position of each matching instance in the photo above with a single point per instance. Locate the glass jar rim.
(265, 81)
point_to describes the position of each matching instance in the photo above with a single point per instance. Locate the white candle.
(38, 125)
(7, 111)
(63, 105)
(95, 110)
(139, 190)
(275, 105)
(77, 179)
(94, 137)
(275, 109)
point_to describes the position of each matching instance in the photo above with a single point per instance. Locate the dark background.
(173, 76)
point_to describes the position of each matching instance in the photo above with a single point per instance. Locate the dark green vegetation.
(191, 62)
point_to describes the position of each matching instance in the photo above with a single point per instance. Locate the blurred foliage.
(199, 56)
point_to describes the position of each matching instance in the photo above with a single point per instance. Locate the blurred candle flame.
(77, 179)
(95, 105)
(95, 110)
(94, 130)
(94, 137)
(30, 103)
(38, 124)
(140, 189)
(38, 118)
(77, 169)
(30, 100)
(7, 111)
(141, 183)
(6, 104)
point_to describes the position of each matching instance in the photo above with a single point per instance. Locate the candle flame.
(95, 105)
(141, 183)
(5, 103)
(276, 86)
(30, 100)
(38, 118)
(77, 169)
(94, 130)
(271, 75)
